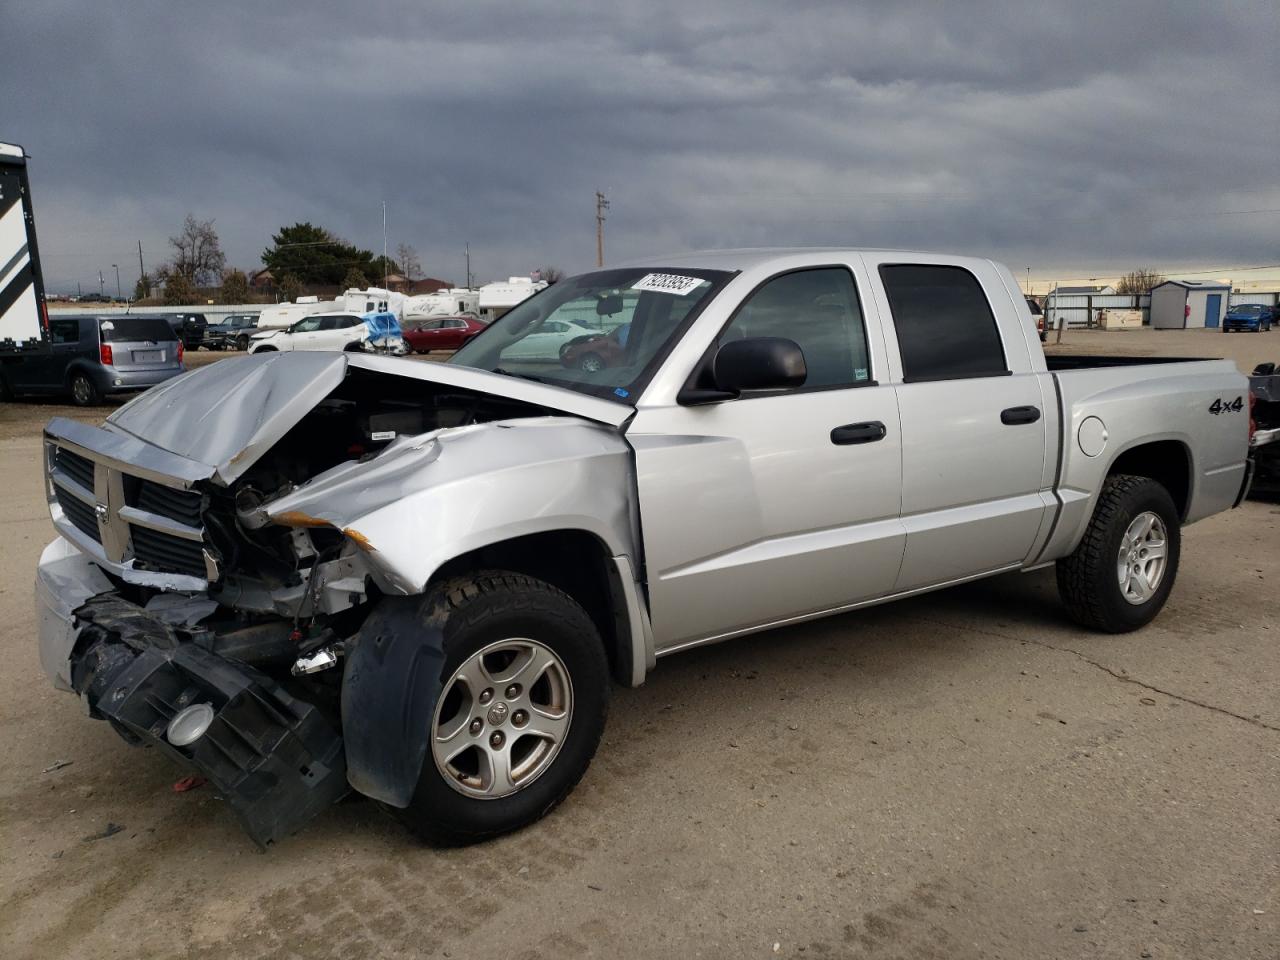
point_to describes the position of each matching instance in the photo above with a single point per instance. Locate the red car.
(439, 333)
(596, 352)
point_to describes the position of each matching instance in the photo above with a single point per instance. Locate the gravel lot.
(960, 775)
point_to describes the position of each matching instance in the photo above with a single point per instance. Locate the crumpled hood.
(230, 413)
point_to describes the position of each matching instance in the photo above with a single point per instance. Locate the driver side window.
(818, 310)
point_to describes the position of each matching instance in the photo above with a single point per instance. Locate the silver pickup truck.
(301, 574)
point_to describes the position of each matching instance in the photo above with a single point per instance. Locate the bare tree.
(197, 254)
(551, 274)
(410, 265)
(1139, 282)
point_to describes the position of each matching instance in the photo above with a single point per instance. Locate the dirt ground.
(961, 775)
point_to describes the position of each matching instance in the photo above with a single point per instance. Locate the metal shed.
(1179, 304)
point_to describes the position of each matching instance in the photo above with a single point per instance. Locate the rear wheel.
(521, 710)
(83, 391)
(1120, 575)
(591, 363)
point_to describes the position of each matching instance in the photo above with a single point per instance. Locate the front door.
(974, 414)
(774, 505)
(1212, 309)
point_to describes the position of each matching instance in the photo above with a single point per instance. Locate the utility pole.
(142, 271)
(384, 245)
(1028, 281)
(601, 206)
(101, 284)
(119, 295)
(467, 249)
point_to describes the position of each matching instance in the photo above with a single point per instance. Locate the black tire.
(6, 392)
(1088, 580)
(481, 609)
(242, 342)
(591, 363)
(84, 392)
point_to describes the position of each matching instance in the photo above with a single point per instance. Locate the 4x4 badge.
(102, 513)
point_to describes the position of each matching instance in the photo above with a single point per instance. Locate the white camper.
(373, 300)
(442, 303)
(497, 298)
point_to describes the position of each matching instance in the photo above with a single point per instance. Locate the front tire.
(521, 709)
(1121, 574)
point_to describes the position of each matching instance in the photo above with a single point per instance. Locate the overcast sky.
(1076, 138)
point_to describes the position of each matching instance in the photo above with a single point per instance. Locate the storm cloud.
(1065, 136)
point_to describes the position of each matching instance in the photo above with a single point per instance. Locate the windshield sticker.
(108, 325)
(668, 283)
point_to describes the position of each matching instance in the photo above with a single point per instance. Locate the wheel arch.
(1167, 462)
(580, 563)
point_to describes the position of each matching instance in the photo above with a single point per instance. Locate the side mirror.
(759, 363)
(754, 363)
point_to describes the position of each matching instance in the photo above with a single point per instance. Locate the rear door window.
(136, 330)
(945, 326)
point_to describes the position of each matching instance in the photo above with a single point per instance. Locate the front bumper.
(277, 759)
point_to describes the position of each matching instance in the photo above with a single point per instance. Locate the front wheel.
(1120, 575)
(242, 343)
(521, 709)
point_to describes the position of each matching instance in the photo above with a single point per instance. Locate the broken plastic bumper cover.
(276, 759)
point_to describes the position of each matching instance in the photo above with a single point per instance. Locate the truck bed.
(1092, 361)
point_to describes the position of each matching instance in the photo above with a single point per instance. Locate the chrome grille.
(165, 553)
(79, 513)
(78, 468)
(135, 525)
(181, 505)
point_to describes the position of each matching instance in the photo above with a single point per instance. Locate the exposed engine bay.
(209, 605)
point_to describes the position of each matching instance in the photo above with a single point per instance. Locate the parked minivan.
(90, 357)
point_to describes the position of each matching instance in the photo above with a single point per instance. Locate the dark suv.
(90, 357)
(190, 327)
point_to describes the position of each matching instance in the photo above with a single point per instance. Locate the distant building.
(262, 280)
(1179, 304)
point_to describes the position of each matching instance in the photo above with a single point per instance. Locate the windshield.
(1247, 309)
(600, 333)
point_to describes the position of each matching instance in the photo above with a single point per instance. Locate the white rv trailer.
(372, 300)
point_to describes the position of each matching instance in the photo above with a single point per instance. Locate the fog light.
(190, 724)
(118, 381)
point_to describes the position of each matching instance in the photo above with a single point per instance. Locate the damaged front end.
(275, 756)
(225, 540)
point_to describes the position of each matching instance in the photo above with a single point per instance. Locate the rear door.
(973, 414)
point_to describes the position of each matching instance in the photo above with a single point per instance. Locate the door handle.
(868, 432)
(1016, 415)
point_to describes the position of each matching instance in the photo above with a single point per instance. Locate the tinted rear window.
(945, 326)
(126, 329)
